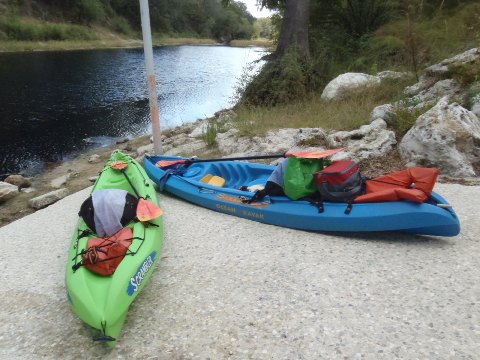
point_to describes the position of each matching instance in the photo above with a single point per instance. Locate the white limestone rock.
(60, 181)
(389, 74)
(225, 116)
(368, 141)
(199, 130)
(385, 112)
(463, 58)
(423, 83)
(146, 149)
(442, 88)
(94, 159)
(7, 191)
(476, 108)
(45, 200)
(447, 136)
(345, 82)
(278, 141)
(187, 149)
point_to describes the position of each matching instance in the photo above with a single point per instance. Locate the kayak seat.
(213, 180)
(238, 175)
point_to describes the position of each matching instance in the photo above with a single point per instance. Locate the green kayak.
(102, 301)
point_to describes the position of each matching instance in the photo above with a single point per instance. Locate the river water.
(56, 104)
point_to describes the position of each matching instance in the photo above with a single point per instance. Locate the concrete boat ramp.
(229, 288)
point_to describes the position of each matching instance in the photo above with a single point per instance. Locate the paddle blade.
(165, 163)
(118, 165)
(147, 210)
(314, 154)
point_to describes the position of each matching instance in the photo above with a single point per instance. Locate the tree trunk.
(294, 31)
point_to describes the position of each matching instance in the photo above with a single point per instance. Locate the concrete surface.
(228, 288)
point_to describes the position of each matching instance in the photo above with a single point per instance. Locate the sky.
(252, 8)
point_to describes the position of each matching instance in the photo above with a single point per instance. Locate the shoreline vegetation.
(116, 42)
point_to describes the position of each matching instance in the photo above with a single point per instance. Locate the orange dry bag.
(103, 255)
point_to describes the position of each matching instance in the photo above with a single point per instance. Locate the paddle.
(146, 210)
(303, 154)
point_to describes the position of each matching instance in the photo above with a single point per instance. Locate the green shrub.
(407, 113)
(436, 37)
(91, 10)
(121, 25)
(473, 95)
(280, 81)
(210, 134)
(465, 74)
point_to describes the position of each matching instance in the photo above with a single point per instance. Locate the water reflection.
(51, 101)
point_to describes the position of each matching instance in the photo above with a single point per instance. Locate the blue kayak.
(434, 217)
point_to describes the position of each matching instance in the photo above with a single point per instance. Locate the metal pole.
(152, 89)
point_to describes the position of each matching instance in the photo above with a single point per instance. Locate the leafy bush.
(210, 134)
(91, 10)
(465, 74)
(473, 95)
(121, 25)
(405, 118)
(407, 111)
(280, 81)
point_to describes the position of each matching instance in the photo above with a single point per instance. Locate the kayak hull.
(103, 301)
(425, 218)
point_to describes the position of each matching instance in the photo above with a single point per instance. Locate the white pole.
(152, 89)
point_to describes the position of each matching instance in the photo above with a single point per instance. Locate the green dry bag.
(298, 179)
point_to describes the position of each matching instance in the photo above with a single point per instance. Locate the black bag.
(128, 212)
(340, 182)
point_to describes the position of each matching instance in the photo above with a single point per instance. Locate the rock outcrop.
(18, 180)
(45, 200)
(447, 136)
(7, 191)
(368, 141)
(346, 82)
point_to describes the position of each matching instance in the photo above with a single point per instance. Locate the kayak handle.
(445, 206)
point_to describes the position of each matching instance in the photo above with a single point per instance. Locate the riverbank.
(79, 172)
(186, 140)
(112, 41)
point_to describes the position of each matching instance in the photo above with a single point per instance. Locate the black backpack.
(87, 210)
(340, 182)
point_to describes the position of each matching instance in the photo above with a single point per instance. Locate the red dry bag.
(339, 182)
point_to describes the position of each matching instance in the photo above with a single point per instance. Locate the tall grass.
(209, 135)
(436, 37)
(349, 113)
(14, 28)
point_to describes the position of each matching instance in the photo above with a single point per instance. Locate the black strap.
(348, 210)
(258, 196)
(318, 203)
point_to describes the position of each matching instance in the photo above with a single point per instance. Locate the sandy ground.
(229, 288)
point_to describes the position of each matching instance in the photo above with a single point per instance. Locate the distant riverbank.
(111, 41)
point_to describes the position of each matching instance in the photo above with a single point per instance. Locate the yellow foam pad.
(213, 180)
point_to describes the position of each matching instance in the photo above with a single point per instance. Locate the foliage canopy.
(193, 18)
